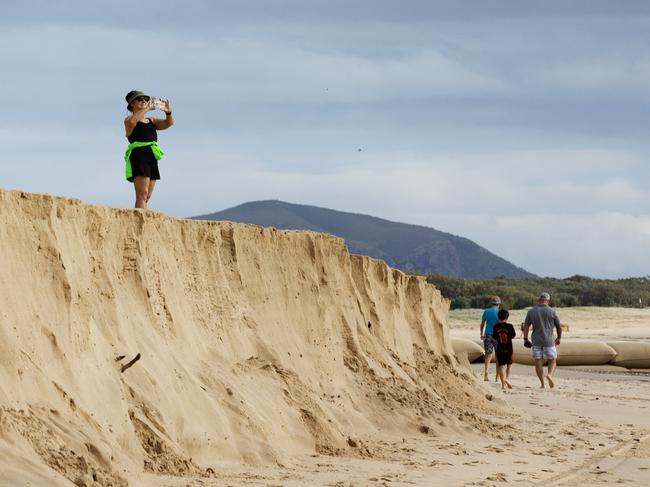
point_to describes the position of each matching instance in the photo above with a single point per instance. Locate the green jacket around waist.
(155, 148)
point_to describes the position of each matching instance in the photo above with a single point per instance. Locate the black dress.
(143, 162)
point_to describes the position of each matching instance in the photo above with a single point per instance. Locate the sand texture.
(256, 346)
(142, 350)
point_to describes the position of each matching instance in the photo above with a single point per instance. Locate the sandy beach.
(142, 350)
(592, 429)
(232, 232)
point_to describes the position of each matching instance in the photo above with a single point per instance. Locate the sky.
(522, 125)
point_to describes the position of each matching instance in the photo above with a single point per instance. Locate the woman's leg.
(141, 185)
(152, 184)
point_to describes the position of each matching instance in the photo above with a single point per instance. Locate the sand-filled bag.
(584, 352)
(631, 355)
(468, 347)
(570, 352)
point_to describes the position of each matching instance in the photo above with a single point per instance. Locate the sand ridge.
(256, 346)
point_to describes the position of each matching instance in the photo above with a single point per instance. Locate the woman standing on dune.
(143, 153)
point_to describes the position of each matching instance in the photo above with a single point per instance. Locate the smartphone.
(157, 103)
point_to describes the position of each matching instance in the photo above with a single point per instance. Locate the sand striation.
(255, 346)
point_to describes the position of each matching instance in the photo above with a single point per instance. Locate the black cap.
(132, 95)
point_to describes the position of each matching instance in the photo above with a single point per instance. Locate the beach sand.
(592, 429)
(270, 358)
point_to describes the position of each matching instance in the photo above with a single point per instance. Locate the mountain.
(406, 247)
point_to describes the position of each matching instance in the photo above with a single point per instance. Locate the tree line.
(519, 293)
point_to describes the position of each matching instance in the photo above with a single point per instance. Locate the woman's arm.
(169, 120)
(132, 120)
(163, 124)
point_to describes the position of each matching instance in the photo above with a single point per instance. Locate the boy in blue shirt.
(488, 320)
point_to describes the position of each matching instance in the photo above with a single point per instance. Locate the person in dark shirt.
(503, 334)
(143, 153)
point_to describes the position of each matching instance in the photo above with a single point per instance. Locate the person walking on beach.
(543, 318)
(503, 334)
(488, 320)
(143, 152)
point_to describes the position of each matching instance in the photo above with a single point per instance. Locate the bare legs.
(539, 368)
(549, 376)
(143, 191)
(503, 374)
(488, 359)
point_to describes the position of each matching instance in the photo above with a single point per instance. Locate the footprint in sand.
(497, 477)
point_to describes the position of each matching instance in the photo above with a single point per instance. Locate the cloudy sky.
(522, 125)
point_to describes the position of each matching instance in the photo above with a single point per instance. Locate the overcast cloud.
(522, 125)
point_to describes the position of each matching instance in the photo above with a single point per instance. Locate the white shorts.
(544, 353)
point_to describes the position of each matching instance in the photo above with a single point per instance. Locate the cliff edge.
(255, 345)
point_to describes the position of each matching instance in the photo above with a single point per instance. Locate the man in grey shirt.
(544, 319)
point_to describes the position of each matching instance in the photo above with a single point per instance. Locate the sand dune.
(270, 357)
(256, 346)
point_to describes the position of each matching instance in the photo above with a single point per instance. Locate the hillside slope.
(256, 345)
(403, 246)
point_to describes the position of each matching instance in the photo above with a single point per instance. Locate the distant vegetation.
(518, 293)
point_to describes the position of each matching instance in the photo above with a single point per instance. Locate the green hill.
(406, 247)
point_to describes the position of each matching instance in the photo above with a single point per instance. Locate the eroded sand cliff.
(256, 345)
